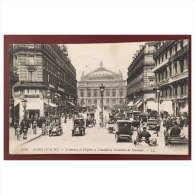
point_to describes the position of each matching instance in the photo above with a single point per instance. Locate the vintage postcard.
(127, 98)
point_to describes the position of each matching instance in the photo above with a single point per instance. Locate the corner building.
(171, 74)
(42, 67)
(89, 88)
(140, 81)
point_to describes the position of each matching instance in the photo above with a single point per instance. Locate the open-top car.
(123, 131)
(153, 124)
(78, 126)
(55, 128)
(174, 139)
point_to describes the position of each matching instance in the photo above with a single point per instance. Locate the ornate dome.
(102, 74)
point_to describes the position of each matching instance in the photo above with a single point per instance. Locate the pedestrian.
(105, 121)
(100, 122)
(175, 130)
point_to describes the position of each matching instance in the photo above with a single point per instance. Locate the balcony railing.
(27, 46)
(179, 53)
(161, 65)
(180, 76)
(164, 81)
(29, 84)
(162, 48)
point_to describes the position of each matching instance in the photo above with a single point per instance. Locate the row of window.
(169, 53)
(177, 90)
(48, 47)
(89, 102)
(95, 93)
(174, 69)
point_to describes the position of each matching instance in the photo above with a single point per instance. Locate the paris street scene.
(105, 98)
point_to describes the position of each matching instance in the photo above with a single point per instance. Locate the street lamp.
(102, 88)
(158, 97)
(57, 97)
(24, 104)
(48, 94)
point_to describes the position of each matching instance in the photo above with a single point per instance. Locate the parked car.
(78, 126)
(123, 131)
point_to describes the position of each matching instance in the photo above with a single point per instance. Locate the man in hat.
(145, 134)
(175, 130)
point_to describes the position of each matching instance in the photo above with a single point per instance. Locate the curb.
(31, 140)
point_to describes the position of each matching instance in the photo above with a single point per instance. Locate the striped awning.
(139, 104)
(130, 104)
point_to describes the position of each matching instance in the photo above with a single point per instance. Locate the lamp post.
(24, 104)
(102, 88)
(158, 97)
(57, 97)
(48, 94)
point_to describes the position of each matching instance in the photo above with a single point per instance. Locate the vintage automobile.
(111, 117)
(143, 118)
(75, 114)
(135, 125)
(136, 114)
(130, 114)
(55, 128)
(78, 126)
(123, 131)
(153, 125)
(174, 140)
(111, 126)
(90, 119)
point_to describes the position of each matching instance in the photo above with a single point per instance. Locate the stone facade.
(89, 88)
(171, 74)
(41, 67)
(140, 81)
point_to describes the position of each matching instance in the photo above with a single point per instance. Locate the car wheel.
(72, 134)
(117, 138)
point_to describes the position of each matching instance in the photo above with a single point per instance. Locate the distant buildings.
(41, 67)
(89, 87)
(171, 74)
(140, 81)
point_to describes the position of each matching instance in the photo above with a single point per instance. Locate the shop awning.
(71, 103)
(166, 106)
(139, 104)
(185, 109)
(130, 104)
(33, 106)
(152, 105)
(52, 105)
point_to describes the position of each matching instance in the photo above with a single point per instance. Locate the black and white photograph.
(99, 98)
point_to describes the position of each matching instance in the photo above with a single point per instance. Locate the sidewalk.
(30, 136)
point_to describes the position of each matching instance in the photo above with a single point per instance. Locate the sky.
(115, 56)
